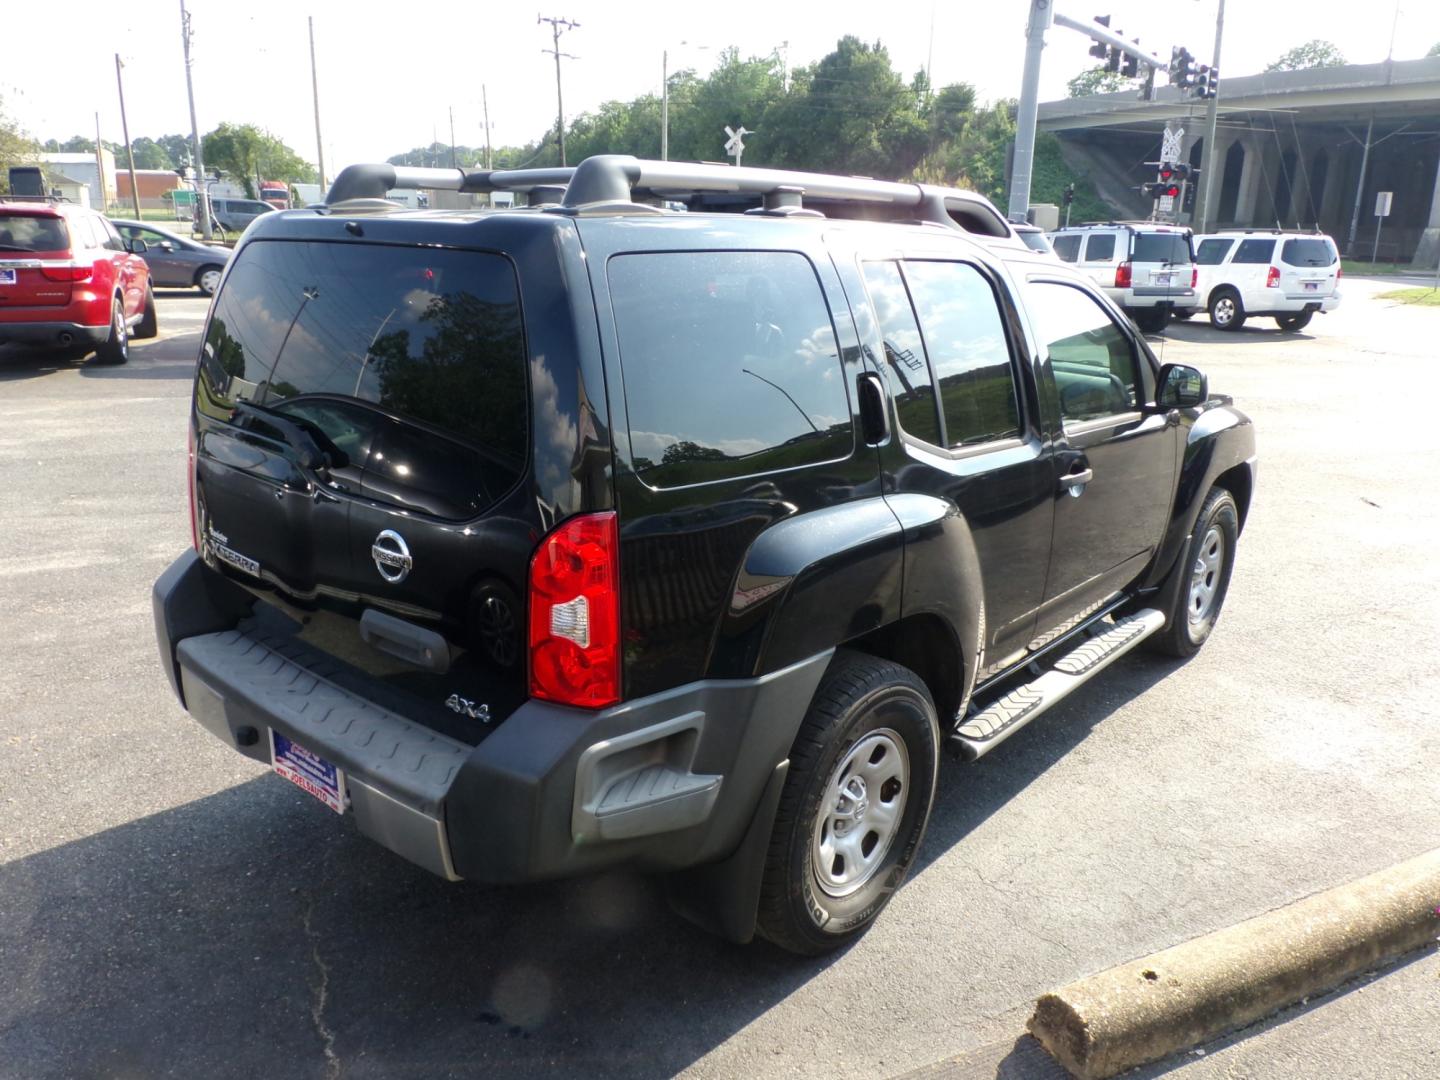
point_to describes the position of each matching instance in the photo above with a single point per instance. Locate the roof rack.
(614, 183)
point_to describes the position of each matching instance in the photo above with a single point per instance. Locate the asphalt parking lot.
(169, 909)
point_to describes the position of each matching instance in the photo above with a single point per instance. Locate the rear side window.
(729, 363)
(1100, 247)
(1307, 252)
(360, 344)
(910, 383)
(1254, 251)
(1212, 252)
(965, 340)
(32, 232)
(1173, 248)
(1067, 247)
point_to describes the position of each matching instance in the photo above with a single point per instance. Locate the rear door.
(405, 368)
(1209, 256)
(1308, 267)
(28, 243)
(130, 270)
(1249, 268)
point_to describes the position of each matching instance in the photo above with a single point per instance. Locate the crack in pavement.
(322, 997)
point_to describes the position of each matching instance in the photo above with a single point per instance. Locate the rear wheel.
(854, 807)
(1206, 567)
(116, 349)
(1290, 323)
(208, 279)
(1226, 310)
(149, 325)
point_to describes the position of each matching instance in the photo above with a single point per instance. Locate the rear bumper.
(663, 782)
(1140, 298)
(53, 333)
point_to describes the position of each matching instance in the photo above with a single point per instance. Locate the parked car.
(1285, 275)
(1033, 237)
(236, 214)
(545, 543)
(174, 261)
(1145, 267)
(68, 279)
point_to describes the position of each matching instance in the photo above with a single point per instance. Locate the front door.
(1114, 463)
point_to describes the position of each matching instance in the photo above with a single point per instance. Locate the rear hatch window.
(32, 232)
(363, 425)
(1172, 248)
(27, 243)
(1307, 252)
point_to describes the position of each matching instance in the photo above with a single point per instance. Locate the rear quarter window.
(1307, 252)
(1067, 247)
(1212, 252)
(1173, 248)
(1100, 247)
(1252, 252)
(32, 232)
(729, 363)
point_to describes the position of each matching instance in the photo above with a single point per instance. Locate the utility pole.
(315, 92)
(453, 163)
(485, 104)
(1360, 187)
(1211, 164)
(1042, 13)
(125, 130)
(664, 104)
(100, 166)
(557, 27)
(202, 193)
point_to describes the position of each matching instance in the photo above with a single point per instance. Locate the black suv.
(676, 520)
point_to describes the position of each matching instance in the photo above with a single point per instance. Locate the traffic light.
(1174, 172)
(1163, 187)
(1130, 66)
(1182, 68)
(1100, 50)
(1112, 60)
(1207, 81)
(1069, 196)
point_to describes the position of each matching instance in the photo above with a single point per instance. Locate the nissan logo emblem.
(392, 556)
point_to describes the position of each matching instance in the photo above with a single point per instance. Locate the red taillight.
(1122, 276)
(575, 613)
(68, 271)
(1272, 279)
(1339, 272)
(1194, 276)
(190, 486)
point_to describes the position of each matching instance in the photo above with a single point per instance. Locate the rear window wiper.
(294, 435)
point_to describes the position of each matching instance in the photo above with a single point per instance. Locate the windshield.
(1308, 252)
(32, 232)
(1161, 248)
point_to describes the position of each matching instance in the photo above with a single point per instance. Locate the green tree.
(177, 148)
(16, 147)
(1434, 50)
(1313, 54)
(248, 154)
(1095, 80)
(149, 154)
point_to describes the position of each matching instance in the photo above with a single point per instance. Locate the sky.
(388, 82)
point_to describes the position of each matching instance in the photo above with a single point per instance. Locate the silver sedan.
(175, 261)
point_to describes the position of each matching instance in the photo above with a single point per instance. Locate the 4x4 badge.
(392, 556)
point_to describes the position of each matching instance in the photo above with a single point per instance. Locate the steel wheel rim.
(209, 282)
(1224, 310)
(1205, 576)
(861, 807)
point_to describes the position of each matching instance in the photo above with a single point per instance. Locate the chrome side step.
(981, 732)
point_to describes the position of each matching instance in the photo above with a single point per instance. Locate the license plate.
(1312, 286)
(1164, 279)
(7, 277)
(308, 771)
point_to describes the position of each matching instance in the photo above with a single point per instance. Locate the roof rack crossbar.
(373, 181)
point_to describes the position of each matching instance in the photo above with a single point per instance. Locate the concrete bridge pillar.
(1251, 175)
(1427, 252)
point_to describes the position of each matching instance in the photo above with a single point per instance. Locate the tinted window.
(1100, 247)
(910, 382)
(965, 340)
(324, 333)
(1091, 358)
(31, 232)
(1161, 248)
(1035, 241)
(1307, 252)
(1254, 251)
(730, 364)
(109, 238)
(1067, 247)
(1212, 252)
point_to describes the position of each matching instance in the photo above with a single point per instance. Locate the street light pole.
(315, 93)
(664, 104)
(125, 130)
(1211, 163)
(202, 193)
(1041, 15)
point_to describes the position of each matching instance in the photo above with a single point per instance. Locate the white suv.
(1146, 268)
(1284, 275)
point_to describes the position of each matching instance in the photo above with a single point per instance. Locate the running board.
(983, 731)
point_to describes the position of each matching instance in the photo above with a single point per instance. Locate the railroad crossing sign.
(1170, 145)
(735, 144)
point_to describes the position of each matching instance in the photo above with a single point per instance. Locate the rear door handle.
(1074, 482)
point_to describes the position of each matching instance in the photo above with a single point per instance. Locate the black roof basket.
(611, 183)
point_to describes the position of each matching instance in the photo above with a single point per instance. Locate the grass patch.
(1422, 296)
(1359, 266)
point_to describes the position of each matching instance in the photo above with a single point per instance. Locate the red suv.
(67, 279)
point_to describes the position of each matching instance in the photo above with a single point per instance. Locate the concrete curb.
(1180, 997)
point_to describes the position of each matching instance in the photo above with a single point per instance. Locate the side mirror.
(1181, 387)
(165, 245)
(136, 247)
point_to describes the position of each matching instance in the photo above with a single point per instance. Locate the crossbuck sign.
(735, 144)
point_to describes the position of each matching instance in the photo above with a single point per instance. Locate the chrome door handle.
(1075, 482)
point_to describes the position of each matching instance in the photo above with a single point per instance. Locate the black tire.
(1151, 320)
(1183, 313)
(149, 325)
(1205, 579)
(1290, 323)
(863, 702)
(1227, 312)
(116, 348)
(207, 279)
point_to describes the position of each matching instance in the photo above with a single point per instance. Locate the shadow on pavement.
(17, 364)
(1261, 330)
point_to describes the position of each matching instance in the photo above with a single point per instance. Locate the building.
(82, 169)
(153, 185)
(1307, 149)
